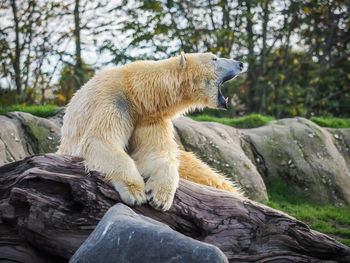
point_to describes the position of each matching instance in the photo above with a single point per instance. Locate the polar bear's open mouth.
(222, 102)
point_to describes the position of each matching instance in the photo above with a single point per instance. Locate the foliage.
(328, 219)
(70, 82)
(297, 51)
(331, 122)
(40, 111)
(26, 43)
(30, 96)
(8, 97)
(249, 121)
(36, 41)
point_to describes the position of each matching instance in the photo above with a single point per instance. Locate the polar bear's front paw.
(131, 193)
(160, 195)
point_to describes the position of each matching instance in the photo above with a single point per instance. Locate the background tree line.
(298, 51)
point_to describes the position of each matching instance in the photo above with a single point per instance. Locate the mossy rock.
(341, 139)
(220, 146)
(313, 161)
(44, 134)
(23, 134)
(306, 157)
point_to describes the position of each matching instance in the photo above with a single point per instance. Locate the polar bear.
(120, 123)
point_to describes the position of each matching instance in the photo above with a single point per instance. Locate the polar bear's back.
(96, 108)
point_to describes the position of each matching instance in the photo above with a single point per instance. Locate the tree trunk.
(79, 63)
(17, 57)
(49, 205)
(251, 77)
(263, 87)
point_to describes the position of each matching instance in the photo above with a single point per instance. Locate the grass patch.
(345, 242)
(328, 219)
(332, 122)
(40, 111)
(249, 121)
(257, 120)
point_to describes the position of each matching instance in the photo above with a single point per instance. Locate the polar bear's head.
(208, 73)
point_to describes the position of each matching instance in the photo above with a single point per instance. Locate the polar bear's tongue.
(222, 102)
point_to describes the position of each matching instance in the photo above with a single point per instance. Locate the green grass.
(328, 219)
(257, 120)
(332, 122)
(249, 121)
(40, 111)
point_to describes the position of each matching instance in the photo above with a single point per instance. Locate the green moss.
(249, 121)
(257, 120)
(280, 123)
(40, 111)
(332, 122)
(328, 219)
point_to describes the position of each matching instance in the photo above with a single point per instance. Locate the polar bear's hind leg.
(193, 169)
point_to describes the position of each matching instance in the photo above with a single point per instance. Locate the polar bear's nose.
(240, 65)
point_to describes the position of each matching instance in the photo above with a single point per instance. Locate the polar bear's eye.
(214, 58)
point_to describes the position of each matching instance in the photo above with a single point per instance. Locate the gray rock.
(57, 119)
(22, 134)
(342, 142)
(124, 236)
(311, 160)
(12, 144)
(316, 166)
(220, 146)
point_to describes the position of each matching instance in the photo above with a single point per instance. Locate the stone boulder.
(22, 134)
(342, 142)
(124, 236)
(57, 119)
(220, 146)
(311, 160)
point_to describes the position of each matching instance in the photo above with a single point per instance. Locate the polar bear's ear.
(182, 60)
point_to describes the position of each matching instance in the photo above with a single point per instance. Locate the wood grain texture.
(49, 205)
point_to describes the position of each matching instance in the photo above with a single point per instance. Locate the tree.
(25, 41)
(268, 34)
(327, 36)
(79, 63)
(70, 81)
(242, 30)
(36, 41)
(90, 24)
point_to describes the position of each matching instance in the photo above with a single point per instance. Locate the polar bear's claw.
(159, 197)
(131, 194)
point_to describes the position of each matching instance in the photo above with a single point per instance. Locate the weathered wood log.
(49, 205)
